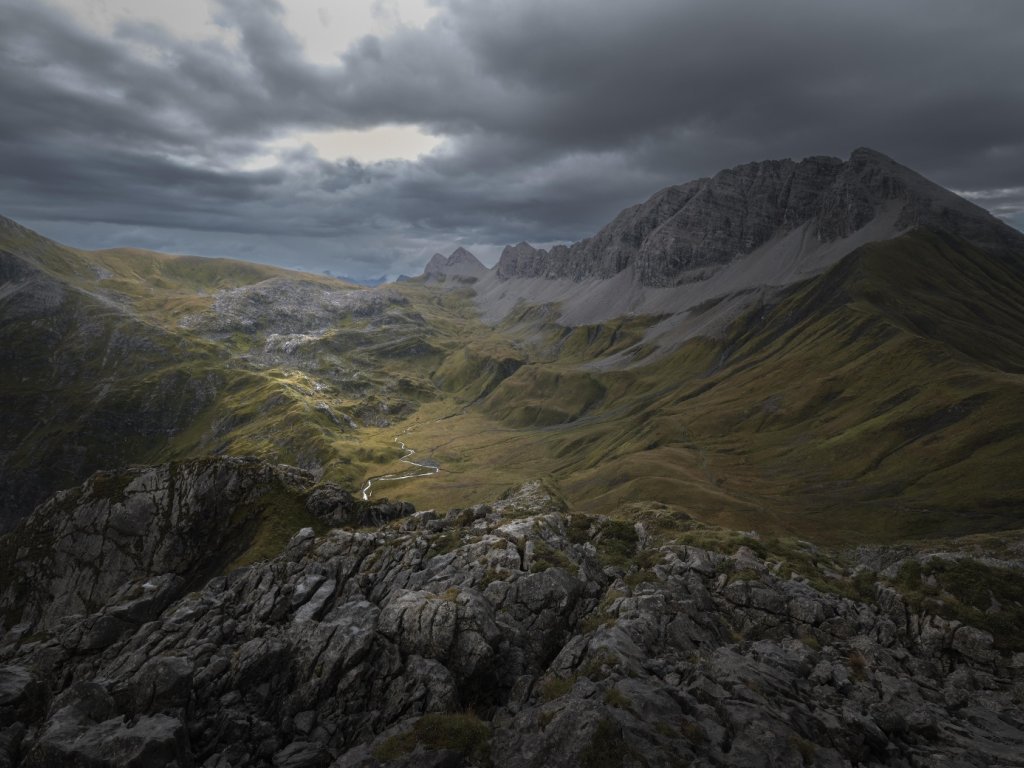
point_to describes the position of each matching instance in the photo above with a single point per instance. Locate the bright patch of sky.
(324, 29)
(372, 145)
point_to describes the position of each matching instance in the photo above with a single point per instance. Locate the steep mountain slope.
(880, 400)
(707, 223)
(86, 383)
(117, 357)
(761, 225)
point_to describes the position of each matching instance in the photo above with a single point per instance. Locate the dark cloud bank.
(554, 116)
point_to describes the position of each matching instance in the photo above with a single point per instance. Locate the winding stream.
(433, 470)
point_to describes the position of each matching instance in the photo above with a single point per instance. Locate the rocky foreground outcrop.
(511, 634)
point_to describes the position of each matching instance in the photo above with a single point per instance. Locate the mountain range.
(736, 480)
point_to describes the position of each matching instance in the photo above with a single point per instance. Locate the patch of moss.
(110, 485)
(744, 574)
(616, 542)
(464, 733)
(615, 698)
(640, 576)
(578, 528)
(395, 747)
(693, 732)
(545, 556)
(984, 596)
(600, 616)
(446, 541)
(270, 523)
(555, 687)
(600, 665)
(607, 748)
(806, 749)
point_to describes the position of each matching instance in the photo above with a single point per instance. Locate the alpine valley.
(738, 480)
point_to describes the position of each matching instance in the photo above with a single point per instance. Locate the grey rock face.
(116, 551)
(460, 264)
(286, 306)
(128, 541)
(503, 635)
(682, 232)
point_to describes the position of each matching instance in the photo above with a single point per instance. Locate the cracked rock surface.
(510, 634)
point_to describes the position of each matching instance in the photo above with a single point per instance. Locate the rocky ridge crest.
(511, 634)
(460, 264)
(683, 232)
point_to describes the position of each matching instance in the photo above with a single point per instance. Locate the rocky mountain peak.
(460, 263)
(685, 232)
(435, 265)
(461, 256)
(521, 260)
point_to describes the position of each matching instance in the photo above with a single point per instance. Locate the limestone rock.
(683, 233)
(442, 640)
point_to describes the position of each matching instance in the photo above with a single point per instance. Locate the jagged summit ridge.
(685, 232)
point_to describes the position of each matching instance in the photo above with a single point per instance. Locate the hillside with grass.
(881, 400)
(124, 357)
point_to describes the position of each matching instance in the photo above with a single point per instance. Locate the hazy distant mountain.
(459, 264)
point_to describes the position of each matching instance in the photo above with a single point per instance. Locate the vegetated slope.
(85, 382)
(880, 400)
(883, 399)
(119, 357)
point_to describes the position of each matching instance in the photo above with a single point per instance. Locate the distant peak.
(437, 261)
(521, 260)
(461, 256)
(461, 263)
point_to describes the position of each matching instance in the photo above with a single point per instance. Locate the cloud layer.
(552, 117)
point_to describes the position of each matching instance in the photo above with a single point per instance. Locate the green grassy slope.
(96, 370)
(881, 400)
(116, 357)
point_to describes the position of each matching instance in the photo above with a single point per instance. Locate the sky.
(359, 137)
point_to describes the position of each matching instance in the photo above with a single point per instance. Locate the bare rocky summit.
(684, 231)
(510, 634)
(460, 264)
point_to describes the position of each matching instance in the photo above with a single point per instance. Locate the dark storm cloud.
(554, 116)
